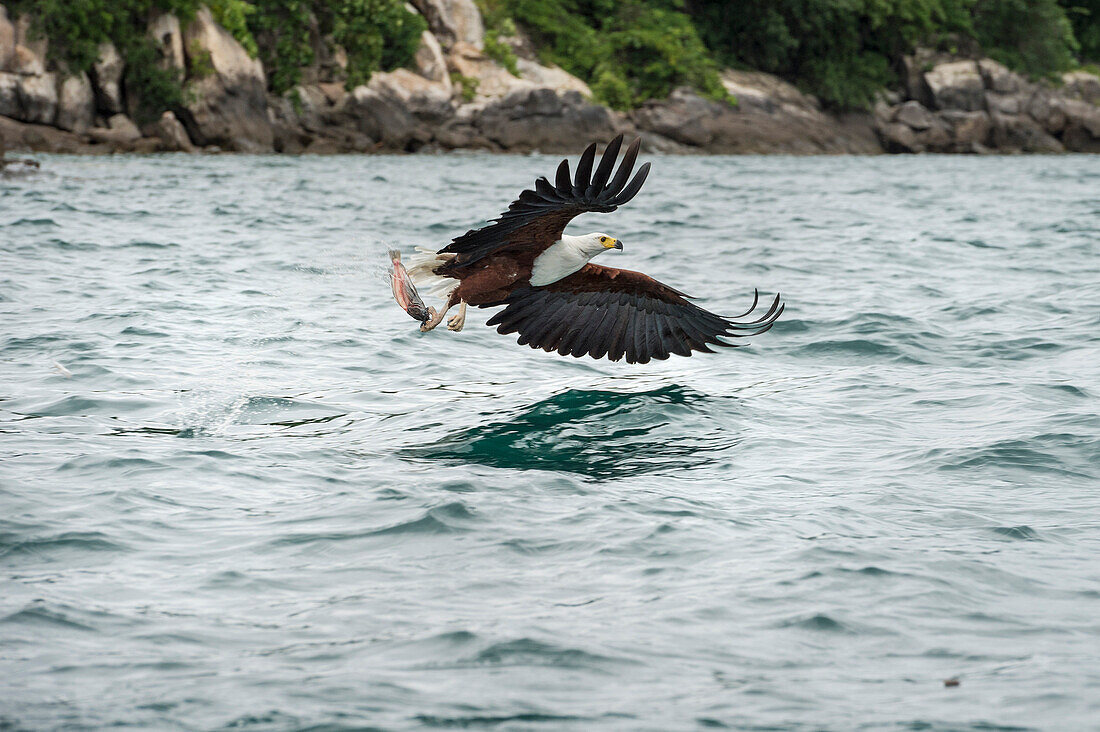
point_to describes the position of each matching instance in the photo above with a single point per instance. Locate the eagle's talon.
(432, 322)
(456, 321)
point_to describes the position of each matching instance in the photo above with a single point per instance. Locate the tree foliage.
(76, 28)
(629, 51)
(845, 50)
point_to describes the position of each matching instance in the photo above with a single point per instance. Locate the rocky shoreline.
(456, 97)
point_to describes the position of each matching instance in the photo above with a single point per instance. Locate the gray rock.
(165, 31)
(7, 39)
(228, 108)
(125, 127)
(1010, 103)
(26, 62)
(899, 138)
(998, 78)
(1021, 133)
(683, 118)
(429, 60)
(542, 119)
(385, 118)
(1082, 131)
(1082, 85)
(914, 114)
(11, 102)
(76, 104)
(453, 21)
(38, 95)
(172, 134)
(107, 79)
(967, 128)
(1048, 110)
(956, 85)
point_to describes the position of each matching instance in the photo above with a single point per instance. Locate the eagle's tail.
(422, 266)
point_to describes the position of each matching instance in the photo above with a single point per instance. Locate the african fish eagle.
(553, 296)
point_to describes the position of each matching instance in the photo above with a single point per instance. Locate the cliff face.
(978, 105)
(455, 96)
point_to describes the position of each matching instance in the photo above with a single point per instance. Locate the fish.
(405, 292)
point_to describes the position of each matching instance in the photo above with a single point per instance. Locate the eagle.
(554, 297)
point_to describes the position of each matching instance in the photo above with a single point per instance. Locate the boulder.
(227, 108)
(384, 117)
(164, 28)
(913, 114)
(7, 39)
(1005, 103)
(26, 62)
(38, 95)
(429, 61)
(11, 103)
(107, 79)
(551, 77)
(1082, 85)
(967, 128)
(767, 93)
(682, 118)
(535, 118)
(493, 80)
(125, 127)
(997, 78)
(35, 48)
(936, 138)
(1048, 110)
(427, 101)
(956, 85)
(1021, 133)
(76, 104)
(898, 138)
(453, 21)
(172, 134)
(1082, 130)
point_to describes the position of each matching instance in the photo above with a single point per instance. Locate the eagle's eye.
(603, 240)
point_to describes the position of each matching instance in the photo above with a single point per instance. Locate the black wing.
(538, 217)
(602, 311)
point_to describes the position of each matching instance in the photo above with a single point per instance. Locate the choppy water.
(263, 500)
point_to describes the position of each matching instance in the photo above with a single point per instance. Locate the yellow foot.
(458, 320)
(432, 322)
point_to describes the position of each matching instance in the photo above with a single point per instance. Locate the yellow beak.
(613, 244)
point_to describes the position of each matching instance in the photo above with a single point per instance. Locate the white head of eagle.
(570, 253)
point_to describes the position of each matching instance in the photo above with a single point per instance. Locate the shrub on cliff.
(1084, 16)
(375, 34)
(75, 29)
(628, 51)
(845, 51)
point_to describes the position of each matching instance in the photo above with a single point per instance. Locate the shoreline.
(455, 97)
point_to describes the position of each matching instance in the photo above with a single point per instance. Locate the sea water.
(239, 488)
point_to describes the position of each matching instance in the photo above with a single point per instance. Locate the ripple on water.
(572, 432)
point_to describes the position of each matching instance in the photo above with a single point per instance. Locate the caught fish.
(405, 292)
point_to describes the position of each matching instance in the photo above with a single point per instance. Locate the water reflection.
(599, 434)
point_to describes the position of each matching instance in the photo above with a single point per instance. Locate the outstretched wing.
(538, 217)
(601, 311)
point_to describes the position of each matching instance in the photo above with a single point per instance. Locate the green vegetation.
(498, 25)
(629, 50)
(375, 34)
(77, 27)
(468, 84)
(843, 51)
(1084, 16)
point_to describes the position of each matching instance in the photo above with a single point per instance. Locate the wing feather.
(538, 217)
(605, 312)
